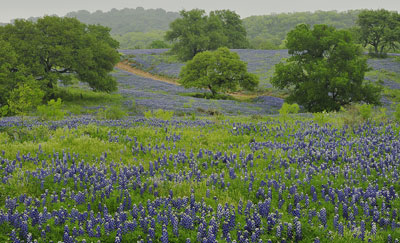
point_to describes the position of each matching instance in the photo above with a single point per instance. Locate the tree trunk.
(376, 50)
(381, 52)
(213, 93)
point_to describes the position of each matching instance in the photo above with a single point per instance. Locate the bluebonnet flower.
(322, 216)
(164, 236)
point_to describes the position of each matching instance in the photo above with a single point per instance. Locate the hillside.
(136, 28)
(268, 31)
(128, 20)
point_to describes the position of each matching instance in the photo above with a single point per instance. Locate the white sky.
(11, 9)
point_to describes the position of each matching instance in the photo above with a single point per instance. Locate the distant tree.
(218, 71)
(158, 44)
(189, 34)
(269, 31)
(326, 70)
(195, 32)
(232, 28)
(380, 29)
(55, 48)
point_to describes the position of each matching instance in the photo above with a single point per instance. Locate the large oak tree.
(326, 70)
(55, 49)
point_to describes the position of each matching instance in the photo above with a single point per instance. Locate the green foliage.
(380, 29)
(148, 114)
(269, 31)
(321, 117)
(219, 71)
(51, 111)
(196, 32)
(55, 48)
(158, 44)
(25, 97)
(163, 114)
(289, 109)
(356, 114)
(365, 111)
(111, 113)
(128, 20)
(159, 114)
(396, 113)
(380, 115)
(4, 110)
(326, 70)
(9, 76)
(140, 40)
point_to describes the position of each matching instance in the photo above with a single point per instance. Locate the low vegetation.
(157, 162)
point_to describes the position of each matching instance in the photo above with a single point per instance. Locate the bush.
(354, 115)
(365, 111)
(396, 113)
(4, 110)
(112, 113)
(289, 109)
(159, 114)
(380, 116)
(51, 111)
(26, 97)
(321, 117)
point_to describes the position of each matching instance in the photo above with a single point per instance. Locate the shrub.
(148, 114)
(26, 97)
(51, 111)
(365, 111)
(159, 114)
(321, 117)
(163, 114)
(396, 113)
(380, 116)
(289, 109)
(112, 113)
(4, 110)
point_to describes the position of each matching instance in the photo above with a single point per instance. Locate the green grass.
(90, 142)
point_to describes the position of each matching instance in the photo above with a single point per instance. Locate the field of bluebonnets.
(202, 179)
(238, 180)
(260, 62)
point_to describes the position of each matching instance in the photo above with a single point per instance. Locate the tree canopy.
(269, 31)
(218, 71)
(195, 32)
(380, 29)
(56, 49)
(122, 21)
(326, 70)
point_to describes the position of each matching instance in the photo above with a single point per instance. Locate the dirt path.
(127, 67)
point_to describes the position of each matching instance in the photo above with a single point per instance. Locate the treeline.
(138, 28)
(128, 20)
(142, 40)
(269, 31)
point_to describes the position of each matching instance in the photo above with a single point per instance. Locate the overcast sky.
(11, 9)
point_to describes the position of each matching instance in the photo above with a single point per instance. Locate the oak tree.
(325, 71)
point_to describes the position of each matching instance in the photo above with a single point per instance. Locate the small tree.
(326, 70)
(219, 71)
